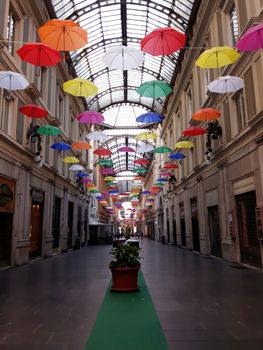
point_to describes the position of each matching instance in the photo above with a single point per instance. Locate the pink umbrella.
(108, 171)
(252, 40)
(126, 149)
(90, 117)
(86, 180)
(105, 194)
(167, 173)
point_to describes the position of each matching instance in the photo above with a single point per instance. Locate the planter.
(124, 279)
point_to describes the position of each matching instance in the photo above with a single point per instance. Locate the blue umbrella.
(150, 117)
(162, 179)
(113, 191)
(60, 146)
(145, 192)
(177, 156)
(81, 174)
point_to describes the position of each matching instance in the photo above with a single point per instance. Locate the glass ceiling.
(112, 23)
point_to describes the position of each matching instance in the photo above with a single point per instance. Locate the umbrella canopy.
(226, 84)
(144, 136)
(205, 114)
(105, 162)
(194, 131)
(86, 180)
(166, 173)
(162, 149)
(123, 58)
(141, 161)
(126, 149)
(80, 87)
(71, 160)
(184, 144)
(102, 152)
(162, 179)
(60, 146)
(39, 54)
(177, 156)
(33, 111)
(150, 117)
(12, 81)
(81, 174)
(90, 117)
(96, 135)
(144, 148)
(154, 89)
(163, 41)
(63, 35)
(252, 39)
(217, 57)
(49, 130)
(145, 192)
(81, 145)
(107, 171)
(109, 178)
(140, 170)
(91, 185)
(170, 166)
(76, 167)
(139, 178)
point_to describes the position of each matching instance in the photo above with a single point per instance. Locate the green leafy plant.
(125, 256)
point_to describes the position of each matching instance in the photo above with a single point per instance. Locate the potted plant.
(125, 267)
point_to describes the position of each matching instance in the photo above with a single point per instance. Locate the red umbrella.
(141, 161)
(170, 166)
(33, 111)
(126, 149)
(102, 152)
(194, 131)
(163, 41)
(39, 54)
(206, 114)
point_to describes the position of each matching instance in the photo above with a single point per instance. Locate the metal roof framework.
(112, 23)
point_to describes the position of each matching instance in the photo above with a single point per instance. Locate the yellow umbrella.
(80, 87)
(146, 136)
(217, 57)
(184, 144)
(71, 160)
(109, 178)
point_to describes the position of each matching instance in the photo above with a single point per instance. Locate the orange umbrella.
(81, 145)
(63, 35)
(206, 114)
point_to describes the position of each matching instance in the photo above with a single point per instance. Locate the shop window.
(250, 94)
(10, 33)
(234, 24)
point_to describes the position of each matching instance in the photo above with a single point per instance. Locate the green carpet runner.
(127, 321)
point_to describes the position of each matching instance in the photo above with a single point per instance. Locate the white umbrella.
(12, 81)
(226, 84)
(96, 136)
(76, 167)
(123, 58)
(144, 148)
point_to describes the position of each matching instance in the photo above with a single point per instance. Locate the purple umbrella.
(90, 117)
(108, 171)
(252, 40)
(126, 149)
(86, 180)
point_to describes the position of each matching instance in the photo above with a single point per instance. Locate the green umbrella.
(109, 184)
(159, 184)
(49, 130)
(140, 170)
(162, 149)
(154, 89)
(105, 162)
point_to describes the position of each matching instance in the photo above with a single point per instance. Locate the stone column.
(202, 218)
(48, 222)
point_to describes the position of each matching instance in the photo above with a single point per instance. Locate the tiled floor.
(202, 303)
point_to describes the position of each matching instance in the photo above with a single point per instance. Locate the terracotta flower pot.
(124, 279)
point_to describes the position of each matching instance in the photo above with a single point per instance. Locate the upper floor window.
(10, 33)
(240, 110)
(234, 24)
